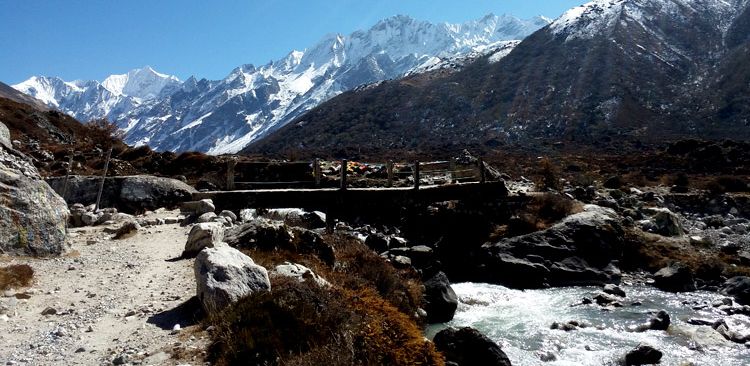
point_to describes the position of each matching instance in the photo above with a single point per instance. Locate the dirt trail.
(114, 301)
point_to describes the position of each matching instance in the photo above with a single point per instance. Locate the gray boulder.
(582, 249)
(663, 222)
(198, 208)
(467, 346)
(32, 215)
(739, 287)
(440, 301)
(204, 235)
(674, 278)
(261, 234)
(298, 217)
(131, 194)
(5, 137)
(735, 328)
(224, 275)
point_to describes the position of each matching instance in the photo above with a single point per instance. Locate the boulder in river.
(582, 249)
(224, 275)
(467, 346)
(32, 215)
(674, 278)
(735, 328)
(440, 301)
(739, 287)
(643, 355)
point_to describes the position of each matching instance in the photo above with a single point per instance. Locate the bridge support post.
(344, 170)
(482, 176)
(316, 172)
(231, 163)
(389, 169)
(452, 168)
(416, 174)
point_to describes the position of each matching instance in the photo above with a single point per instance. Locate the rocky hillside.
(221, 116)
(604, 71)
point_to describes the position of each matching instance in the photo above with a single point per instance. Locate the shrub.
(547, 176)
(303, 324)
(724, 184)
(541, 212)
(17, 275)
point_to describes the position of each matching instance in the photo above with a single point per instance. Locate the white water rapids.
(520, 322)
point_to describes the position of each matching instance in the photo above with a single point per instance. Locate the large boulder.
(205, 235)
(663, 222)
(224, 275)
(674, 278)
(735, 328)
(582, 249)
(32, 215)
(467, 347)
(127, 193)
(739, 287)
(440, 301)
(198, 208)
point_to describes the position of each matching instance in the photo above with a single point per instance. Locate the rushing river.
(520, 322)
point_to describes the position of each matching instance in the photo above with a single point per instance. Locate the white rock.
(224, 275)
(204, 235)
(299, 273)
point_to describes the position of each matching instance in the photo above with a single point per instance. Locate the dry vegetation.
(365, 318)
(14, 276)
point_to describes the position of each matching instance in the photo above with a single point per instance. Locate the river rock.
(467, 346)
(224, 275)
(643, 355)
(298, 217)
(735, 328)
(229, 215)
(204, 235)
(32, 215)
(664, 222)
(261, 234)
(198, 208)
(440, 301)
(206, 217)
(377, 242)
(299, 273)
(613, 290)
(130, 194)
(739, 287)
(674, 278)
(579, 250)
(660, 321)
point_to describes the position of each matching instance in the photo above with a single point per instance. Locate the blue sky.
(90, 39)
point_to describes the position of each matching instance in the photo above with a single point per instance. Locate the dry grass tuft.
(14, 276)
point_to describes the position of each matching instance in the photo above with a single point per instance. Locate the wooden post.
(316, 172)
(452, 168)
(389, 169)
(231, 163)
(416, 174)
(101, 183)
(67, 174)
(480, 162)
(344, 169)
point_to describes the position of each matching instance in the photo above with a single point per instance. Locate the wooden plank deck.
(327, 199)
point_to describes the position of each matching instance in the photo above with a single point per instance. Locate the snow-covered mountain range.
(223, 116)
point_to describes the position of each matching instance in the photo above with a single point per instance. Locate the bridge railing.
(322, 173)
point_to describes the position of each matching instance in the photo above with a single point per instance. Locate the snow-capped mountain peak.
(144, 83)
(252, 101)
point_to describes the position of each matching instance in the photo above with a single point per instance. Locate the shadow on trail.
(186, 314)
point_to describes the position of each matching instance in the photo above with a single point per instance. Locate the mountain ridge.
(222, 116)
(604, 71)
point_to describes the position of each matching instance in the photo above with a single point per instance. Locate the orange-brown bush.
(542, 211)
(303, 324)
(17, 275)
(548, 176)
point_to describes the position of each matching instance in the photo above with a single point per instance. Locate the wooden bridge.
(379, 200)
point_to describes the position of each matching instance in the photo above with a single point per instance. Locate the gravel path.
(107, 302)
